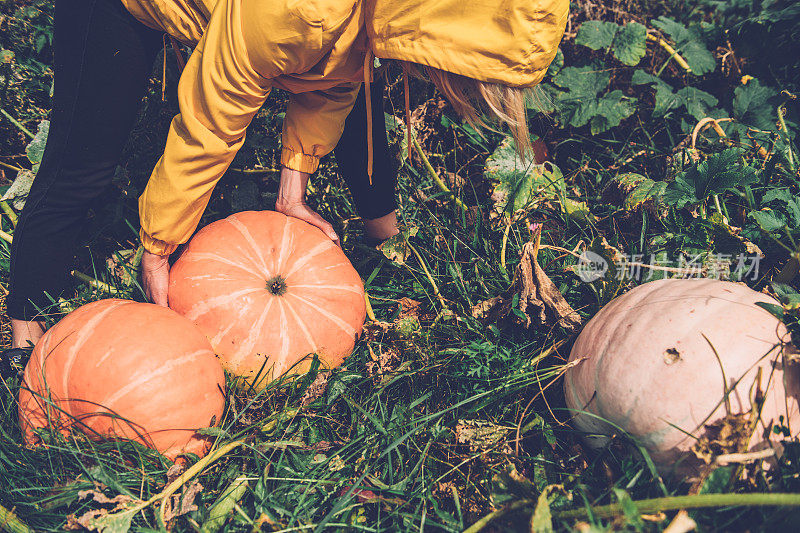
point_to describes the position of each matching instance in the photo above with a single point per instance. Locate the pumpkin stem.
(276, 285)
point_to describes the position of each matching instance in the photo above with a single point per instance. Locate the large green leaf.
(767, 220)
(588, 80)
(786, 199)
(519, 183)
(583, 84)
(696, 102)
(680, 193)
(581, 104)
(596, 34)
(751, 105)
(665, 97)
(637, 189)
(689, 43)
(611, 110)
(719, 173)
(630, 43)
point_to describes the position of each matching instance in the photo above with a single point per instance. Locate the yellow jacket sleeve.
(313, 124)
(218, 94)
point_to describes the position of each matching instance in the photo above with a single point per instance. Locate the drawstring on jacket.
(368, 63)
(178, 55)
(368, 98)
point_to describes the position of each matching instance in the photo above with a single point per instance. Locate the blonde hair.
(476, 101)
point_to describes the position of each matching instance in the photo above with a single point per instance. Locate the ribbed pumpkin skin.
(143, 362)
(630, 378)
(222, 282)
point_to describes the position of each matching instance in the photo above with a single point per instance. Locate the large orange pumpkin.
(120, 369)
(268, 290)
(656, 363)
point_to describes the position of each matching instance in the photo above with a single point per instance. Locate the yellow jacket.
(314, 49)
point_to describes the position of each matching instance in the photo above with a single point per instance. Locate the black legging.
(103, 58)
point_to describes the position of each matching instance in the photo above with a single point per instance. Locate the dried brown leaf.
(99, 497)
(454, 181)
(539, 298)
(723, 436)
(387, 361)
(426, 118)
(315, 391)
(479, 434)
(118, 520)
(125, 265)
(396, 248)
(491, 310)
(175, 471)
(409, 307)
(183, 503)
(73, 524)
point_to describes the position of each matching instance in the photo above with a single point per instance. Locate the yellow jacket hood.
(503, 41)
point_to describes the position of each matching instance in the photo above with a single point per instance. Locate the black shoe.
(12, 362)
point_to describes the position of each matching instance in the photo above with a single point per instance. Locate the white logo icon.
(591, 266)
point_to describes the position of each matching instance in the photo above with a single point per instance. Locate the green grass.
(439, 419)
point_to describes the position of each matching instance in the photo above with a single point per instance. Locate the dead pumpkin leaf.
(116, 520)
(396, 248)
(387, 361)
(723, 230)
(183, 503)
(724, 436)
(125, 265)
(479, 434)
(99, 497)
(175, 471)
(491, 310)
(315, 391)
(409, 307)
(539, 299)
(426, 118)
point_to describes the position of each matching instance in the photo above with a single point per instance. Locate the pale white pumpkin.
(657, 361)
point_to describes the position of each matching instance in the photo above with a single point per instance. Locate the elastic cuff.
(154, 246)
(299, 161)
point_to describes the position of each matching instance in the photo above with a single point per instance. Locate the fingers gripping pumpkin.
(268, 290)
(121, 369)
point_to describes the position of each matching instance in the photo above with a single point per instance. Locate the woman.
(481, 55)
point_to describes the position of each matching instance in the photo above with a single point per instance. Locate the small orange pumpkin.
(659, 362)
(268, 290)
(116, 369)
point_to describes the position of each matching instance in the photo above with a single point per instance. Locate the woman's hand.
(291, 202)
(155, 277)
